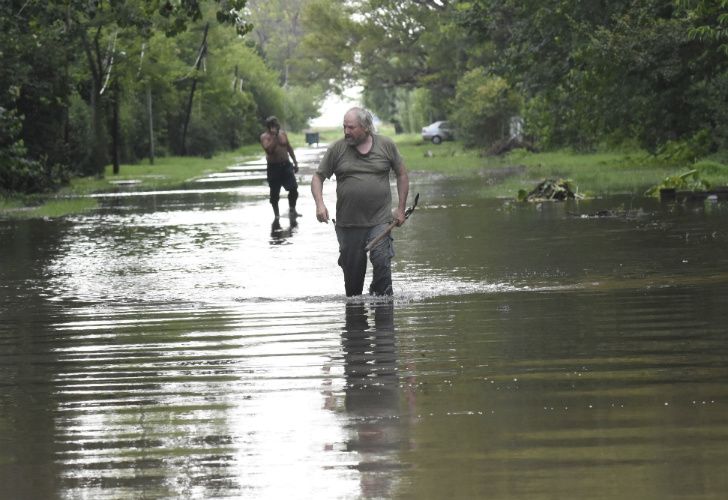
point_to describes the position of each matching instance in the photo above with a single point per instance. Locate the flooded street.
(183, 345)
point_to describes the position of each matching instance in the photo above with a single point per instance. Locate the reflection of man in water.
(280, 171)
(278, 235)
(373, 397)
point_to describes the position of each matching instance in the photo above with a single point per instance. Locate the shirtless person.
(280, 171)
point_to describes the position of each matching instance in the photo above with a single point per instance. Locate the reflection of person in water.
(372, 396)
(278, 235)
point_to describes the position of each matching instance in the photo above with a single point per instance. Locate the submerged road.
(184, 345)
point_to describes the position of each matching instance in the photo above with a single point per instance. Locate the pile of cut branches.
(550, 190)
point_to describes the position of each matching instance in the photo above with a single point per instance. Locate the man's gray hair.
(365, 118)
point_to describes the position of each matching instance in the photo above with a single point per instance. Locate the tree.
(389, 47)
(234, 90)
(105, 27)
(327, 51)
(592, 70)
(31, 112)
(83, 82)
(483, 107)
(278, 32)
(710, 22)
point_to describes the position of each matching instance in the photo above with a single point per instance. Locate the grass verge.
(166, 173)
(594, 174)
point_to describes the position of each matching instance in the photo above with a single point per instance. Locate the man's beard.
(353, 141)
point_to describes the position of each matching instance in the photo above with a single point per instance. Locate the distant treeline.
(87, 83)
(580, 73)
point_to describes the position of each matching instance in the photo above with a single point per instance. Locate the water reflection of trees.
(372, 396)
(30, 358)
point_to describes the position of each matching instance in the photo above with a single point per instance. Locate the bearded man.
(362, 162)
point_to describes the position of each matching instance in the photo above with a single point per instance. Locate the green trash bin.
(312, 138)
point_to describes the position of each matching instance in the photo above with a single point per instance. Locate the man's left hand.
(399, 217)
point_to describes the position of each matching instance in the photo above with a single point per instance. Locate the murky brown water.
(179, 345)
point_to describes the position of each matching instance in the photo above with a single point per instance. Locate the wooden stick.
(379, 238)
(386, 232)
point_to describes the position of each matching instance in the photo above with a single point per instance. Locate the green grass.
(601, 173)
(8, 204)
(58, 207)
(594, 174)
(166, 173)
(28, 207)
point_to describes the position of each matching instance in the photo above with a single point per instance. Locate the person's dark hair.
(271, 122)
(365, 118)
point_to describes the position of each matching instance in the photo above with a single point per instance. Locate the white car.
(437, 132)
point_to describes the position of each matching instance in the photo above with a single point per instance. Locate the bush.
(19, 174)
(688, 181)
(686, 151)
(302, 104)
(483, 108)
(22, 175)
(709, 167)
(201, 140)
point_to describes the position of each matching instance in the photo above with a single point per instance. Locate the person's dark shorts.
(281, 175)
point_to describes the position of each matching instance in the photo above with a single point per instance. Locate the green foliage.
(483, 107)
(281, 30)
(420, 111)
(413, 109)
(327, 50)
(277, 32)
(18, 173)
(391, 48)
(710, 21)
(594, 71)
(30, 81)
(581, 73)
(688, 181)
(65, 65)
(301, 103)
(685, 151)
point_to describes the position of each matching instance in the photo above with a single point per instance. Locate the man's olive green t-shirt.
(363, 193)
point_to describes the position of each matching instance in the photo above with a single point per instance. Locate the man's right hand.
(322, 214)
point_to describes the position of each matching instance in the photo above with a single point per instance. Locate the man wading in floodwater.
(362, 162)
(280, 171)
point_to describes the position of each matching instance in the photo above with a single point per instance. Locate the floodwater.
(182, 345)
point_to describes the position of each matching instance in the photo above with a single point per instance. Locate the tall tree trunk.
(97, 158)
(115, 129)
(97, 146)
(151, 124)
(188, 112)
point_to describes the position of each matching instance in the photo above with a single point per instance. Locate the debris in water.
(550, 190)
